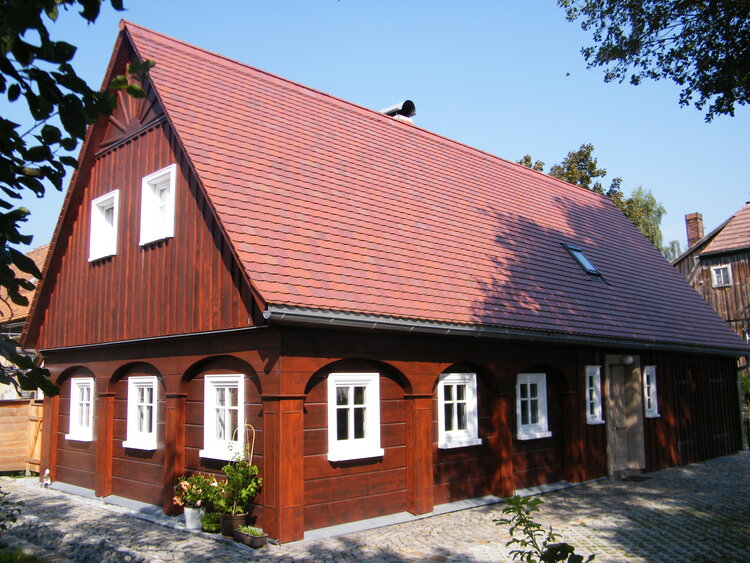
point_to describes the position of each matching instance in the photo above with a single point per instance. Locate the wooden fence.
(21, 435)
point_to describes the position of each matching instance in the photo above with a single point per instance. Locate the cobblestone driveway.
(699, 513)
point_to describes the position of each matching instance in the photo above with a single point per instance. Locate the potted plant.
(191, 492)
(233, 497)
(252, 536)
(211, 522)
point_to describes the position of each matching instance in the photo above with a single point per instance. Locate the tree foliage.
(580, 167)
(37, 71)
(702, 45)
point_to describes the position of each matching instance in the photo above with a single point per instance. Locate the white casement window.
(157, 205)
(353, 416)
(81, 427)
(458, 424)
(224, 416)
(142, 413)
(650, 399)
(103, 235)
(721, 276)
(531, 406)
(594, 395)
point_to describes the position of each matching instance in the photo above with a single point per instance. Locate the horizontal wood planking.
(188, 283)
(14, 445)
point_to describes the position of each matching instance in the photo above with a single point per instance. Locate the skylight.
(583, 261)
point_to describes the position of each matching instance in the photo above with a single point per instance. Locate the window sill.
(101, 257)
(139, 445)
(154, 239)
(534, 435)
(653, 415)
(227, 454)
(355, 453)
(459, 443)
(594, 422)
(78, 437)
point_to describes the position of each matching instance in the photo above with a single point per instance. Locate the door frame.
(633, 383)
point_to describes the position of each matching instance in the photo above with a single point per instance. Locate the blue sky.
(503, 76)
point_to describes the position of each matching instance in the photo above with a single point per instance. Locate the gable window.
(223, 416)
(142, 413)
(457, 410)
(586, 265)
(81, 424)
(353, 416)
(531, 406)
(103, 235)
(721, 276)
(650, 401)
(594, 395)
(157, 205)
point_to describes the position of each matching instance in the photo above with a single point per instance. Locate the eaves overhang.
(298, 316)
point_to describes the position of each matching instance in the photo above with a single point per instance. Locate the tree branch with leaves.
(37, 71)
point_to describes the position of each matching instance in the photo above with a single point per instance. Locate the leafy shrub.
(537, 546)
(211, 522)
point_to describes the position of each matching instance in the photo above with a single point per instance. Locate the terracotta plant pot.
(230, 522)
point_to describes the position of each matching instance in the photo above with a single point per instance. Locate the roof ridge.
(366, 112)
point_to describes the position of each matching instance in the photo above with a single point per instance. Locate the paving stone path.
(699, 513)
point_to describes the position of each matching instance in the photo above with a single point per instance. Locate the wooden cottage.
(717, 265)
(406, 321)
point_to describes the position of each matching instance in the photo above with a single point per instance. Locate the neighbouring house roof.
(335, 210)
(734, 236)
(11, 312)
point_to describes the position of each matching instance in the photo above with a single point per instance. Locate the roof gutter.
(341, 319)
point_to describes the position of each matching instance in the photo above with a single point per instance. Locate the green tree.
(581, 168)
(36, 70)
(672, 250)
(702, 45)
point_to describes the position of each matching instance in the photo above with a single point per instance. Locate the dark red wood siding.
(188, 283)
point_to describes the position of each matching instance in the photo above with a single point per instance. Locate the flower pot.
(193, 517)
(252, 541)
(230, 522)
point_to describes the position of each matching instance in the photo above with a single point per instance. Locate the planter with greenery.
(192, 493)
(233, 497)
(249, 535)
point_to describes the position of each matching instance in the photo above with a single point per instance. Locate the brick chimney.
(694, 226)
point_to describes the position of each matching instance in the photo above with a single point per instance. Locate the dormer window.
(582, 260)
(103, 235)
(157, 205)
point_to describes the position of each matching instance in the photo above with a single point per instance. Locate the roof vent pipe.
(402, 111)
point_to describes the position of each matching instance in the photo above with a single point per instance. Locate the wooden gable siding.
(733, 302)
(188, 283)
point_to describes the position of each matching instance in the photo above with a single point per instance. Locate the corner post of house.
(174, 447)
(419, 474)
(104, 436)
(502, 444)
(283, 462)
(573, 463)
(50, 426)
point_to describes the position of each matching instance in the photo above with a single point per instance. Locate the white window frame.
(136, 438)
(540, 429)
(594, 409)
(103, 234)
(213, 447)
(715, 275)
(153, 227)
(650, 393)
(81, 424)
(458, 438)
(355, 448)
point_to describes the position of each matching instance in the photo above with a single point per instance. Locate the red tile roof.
(734, 236)
(10, 311)
(334, 207)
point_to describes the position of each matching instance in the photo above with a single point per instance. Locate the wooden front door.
(624, 419)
